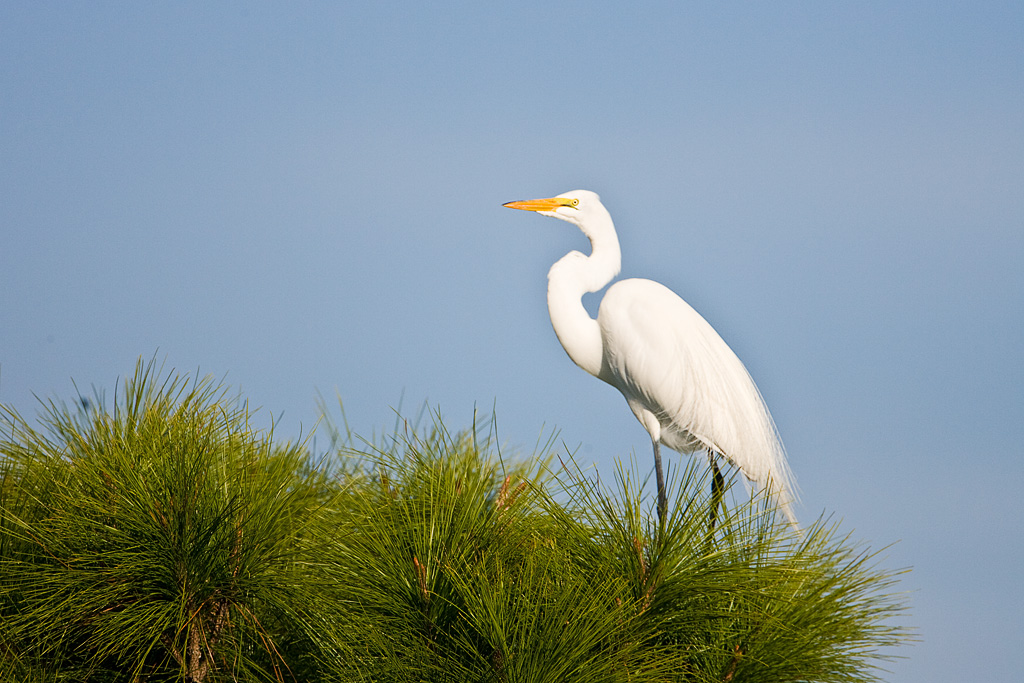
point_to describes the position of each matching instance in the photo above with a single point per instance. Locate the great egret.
(681, 380)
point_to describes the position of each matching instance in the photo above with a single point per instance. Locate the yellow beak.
(540, 204)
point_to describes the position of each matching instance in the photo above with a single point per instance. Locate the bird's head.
(584, 210)
(576, 206)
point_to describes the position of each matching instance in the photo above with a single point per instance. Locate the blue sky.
(306, 199)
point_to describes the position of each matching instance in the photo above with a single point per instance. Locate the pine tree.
(166, 539)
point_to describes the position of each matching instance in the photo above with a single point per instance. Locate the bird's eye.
(575, 202)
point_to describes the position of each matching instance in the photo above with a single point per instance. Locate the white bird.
(681, 380)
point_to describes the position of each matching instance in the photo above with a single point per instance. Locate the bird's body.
(681, 380)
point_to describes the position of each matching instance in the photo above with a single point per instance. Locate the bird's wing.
(661, 353)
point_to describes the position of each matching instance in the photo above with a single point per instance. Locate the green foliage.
(166, 536)
(167, 540)
(456, 564)
(750, 600)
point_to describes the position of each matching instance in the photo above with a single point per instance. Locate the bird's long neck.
(569, 279)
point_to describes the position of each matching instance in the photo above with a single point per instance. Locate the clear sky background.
(306, 198)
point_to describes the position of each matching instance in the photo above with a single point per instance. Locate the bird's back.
(665, 358)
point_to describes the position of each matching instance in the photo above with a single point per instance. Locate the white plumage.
(681, 380)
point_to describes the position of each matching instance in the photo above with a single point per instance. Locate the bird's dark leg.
(662, 497)
(717, 488)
